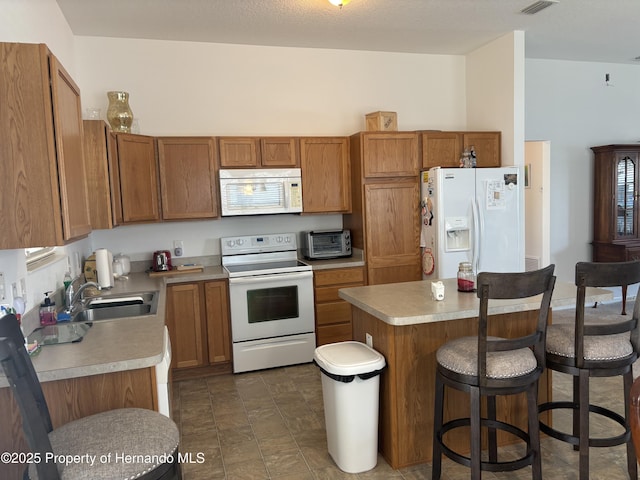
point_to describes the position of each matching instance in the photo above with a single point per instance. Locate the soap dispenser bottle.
(48, 315)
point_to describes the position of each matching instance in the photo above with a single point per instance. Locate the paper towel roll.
(104, 260)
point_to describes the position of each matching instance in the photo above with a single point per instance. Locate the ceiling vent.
(537, 6)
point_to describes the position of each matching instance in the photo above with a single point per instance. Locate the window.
(38, 254)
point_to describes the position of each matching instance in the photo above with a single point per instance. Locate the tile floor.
(270, 425)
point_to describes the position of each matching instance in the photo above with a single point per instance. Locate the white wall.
(38, 21)
(495, 93)
(569, 104)
(187, 88)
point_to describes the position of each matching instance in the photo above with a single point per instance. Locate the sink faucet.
(73, 296)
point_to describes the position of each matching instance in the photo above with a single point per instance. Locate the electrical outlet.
(3, 293)
(369, 339)
(178, 248)
(23, 288)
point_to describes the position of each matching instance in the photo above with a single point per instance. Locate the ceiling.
(583, 30)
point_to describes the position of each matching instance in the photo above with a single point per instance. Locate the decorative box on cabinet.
(252, 152)
(381, 122)
(44, 199)
(188, 186)
(616, 217)
(333, 315)
(326, 175)
(443, 149)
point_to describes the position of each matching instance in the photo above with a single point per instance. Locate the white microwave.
(260, 191)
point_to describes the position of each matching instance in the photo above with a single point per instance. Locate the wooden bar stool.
(486, 366)
(603, 349)
(150, 438)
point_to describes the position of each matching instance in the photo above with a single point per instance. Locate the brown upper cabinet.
(385, 219)
(103, 177)
(188, 187)
(390, 154)
(326, 175)
(444, 149)
(254, 152)
(138, 178)
(44, 199)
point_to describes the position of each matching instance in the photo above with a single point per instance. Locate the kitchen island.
(407, 326)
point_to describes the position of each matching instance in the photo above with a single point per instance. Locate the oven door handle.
(265, 278)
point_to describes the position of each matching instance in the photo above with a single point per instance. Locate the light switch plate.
(3, 293)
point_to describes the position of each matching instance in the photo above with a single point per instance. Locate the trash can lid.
(348, 358)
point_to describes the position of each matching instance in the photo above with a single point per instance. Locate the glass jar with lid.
(466, 277)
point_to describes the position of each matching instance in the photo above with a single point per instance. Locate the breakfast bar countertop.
(410, 303)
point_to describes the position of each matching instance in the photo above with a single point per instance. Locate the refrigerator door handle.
(476, 234)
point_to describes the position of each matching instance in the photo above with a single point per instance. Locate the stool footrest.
(487, 466)
(575, 439)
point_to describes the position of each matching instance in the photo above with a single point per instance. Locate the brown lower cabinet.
(199, 328)
(333, 315)
(75, 398)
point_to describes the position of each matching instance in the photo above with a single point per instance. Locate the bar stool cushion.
(561, 342)
(461, 356)
(145, 434)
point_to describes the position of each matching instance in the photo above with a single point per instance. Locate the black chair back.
(604, 275)
(506, 286)
(36, 421)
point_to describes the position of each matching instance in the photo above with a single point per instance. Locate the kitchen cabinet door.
(441, 149)
(188, 186)
(254, 152)
(239, 152)
(444, 149)
(218, 321)
(390, 154)
(67, 120)
(103, 178)
(184, 314)
(138, 178)
(486, 145)
(279, 152)
(326, 175)
(44, 201)
(392, 232)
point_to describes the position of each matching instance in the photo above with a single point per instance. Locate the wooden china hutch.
(616, 233)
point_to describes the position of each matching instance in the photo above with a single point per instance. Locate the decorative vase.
(119, 113)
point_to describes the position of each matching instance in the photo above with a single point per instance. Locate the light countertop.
(119, 344)
(410, 303)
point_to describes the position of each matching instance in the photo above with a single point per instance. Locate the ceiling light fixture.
(339, 3)
(537, 6)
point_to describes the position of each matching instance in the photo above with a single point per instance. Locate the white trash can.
(350, 390)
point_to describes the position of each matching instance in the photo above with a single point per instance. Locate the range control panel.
(272, 242)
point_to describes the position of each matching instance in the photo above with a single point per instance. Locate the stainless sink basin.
(109, 307)
(120, 300)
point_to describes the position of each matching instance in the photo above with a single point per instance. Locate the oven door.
(265, 306)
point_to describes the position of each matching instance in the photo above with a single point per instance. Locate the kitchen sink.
(120, 300)
(117, 306)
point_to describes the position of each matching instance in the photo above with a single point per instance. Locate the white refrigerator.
(472, 215)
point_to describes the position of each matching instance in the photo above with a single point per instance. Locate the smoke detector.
(537, 6)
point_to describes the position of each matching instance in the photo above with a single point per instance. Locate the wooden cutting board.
(175, 271)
